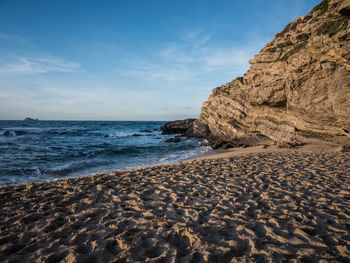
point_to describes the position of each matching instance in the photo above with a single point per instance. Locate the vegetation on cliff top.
(333, 27)
(321, 7)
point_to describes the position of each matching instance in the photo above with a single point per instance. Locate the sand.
(285, 205)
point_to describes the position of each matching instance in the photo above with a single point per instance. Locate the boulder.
(177, 127)
(7, 133)
(176, 139)
(18, 133)
(146, 131)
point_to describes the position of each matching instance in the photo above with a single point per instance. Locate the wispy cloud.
(175, 53)
(234, 57)
(192, 57)
(197, 37)
(10, 37)
(36, 65)
(150, 71)
(67, 99)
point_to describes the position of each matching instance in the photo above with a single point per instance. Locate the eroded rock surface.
(177, 127)
(298, 85)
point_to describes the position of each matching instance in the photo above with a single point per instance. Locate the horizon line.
(84, 120)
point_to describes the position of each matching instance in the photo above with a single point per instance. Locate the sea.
(34, 151)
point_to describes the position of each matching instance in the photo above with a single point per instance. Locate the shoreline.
(251, 204)
(78, 175)
(309, 145)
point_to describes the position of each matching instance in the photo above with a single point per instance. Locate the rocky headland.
(298, 86)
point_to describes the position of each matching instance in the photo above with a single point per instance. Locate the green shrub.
(333, 27)
(296, 48)
(321, 7)
(284, 30)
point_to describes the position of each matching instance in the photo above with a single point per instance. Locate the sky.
(128, 59)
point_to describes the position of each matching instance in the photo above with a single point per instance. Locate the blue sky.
(128, 60)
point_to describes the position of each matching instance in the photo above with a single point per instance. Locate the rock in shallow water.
(147, 131)
(177, 127)
(7, 133)
(176, 139)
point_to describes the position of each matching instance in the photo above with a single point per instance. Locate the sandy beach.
(287, 205)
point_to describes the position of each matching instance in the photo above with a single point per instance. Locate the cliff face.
(298, 85)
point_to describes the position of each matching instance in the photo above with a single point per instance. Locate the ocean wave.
(110, 152)
(40, 151)
(75, 167)
(181, 155)
(130, 133)
(122, 134)
(70, 132)
(49, 132)
(77, 132)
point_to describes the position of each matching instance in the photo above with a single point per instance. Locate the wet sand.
(279, 206)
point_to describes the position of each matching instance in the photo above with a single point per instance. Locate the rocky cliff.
(298, 85)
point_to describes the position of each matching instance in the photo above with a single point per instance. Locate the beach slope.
(255, 207)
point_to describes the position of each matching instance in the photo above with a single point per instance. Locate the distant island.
(30, 119)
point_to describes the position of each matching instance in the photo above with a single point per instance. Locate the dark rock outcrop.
(7, 133)
(19, 133)
(175, 139)
(178, 127)
(299, 85)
